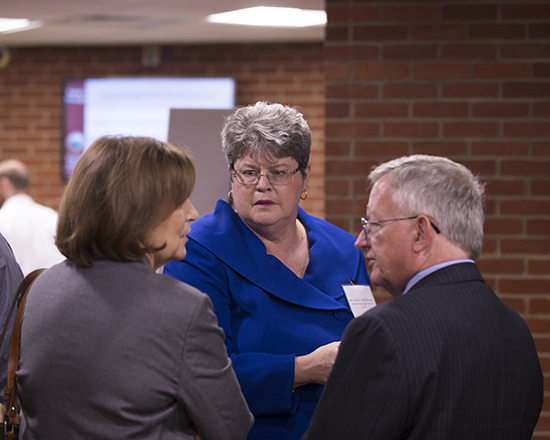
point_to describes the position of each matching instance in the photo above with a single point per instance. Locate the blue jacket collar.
(224, 234)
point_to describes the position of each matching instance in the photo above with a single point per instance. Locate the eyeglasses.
(366, 223)
(252, 177)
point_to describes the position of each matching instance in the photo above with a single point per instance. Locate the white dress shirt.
(30, 228)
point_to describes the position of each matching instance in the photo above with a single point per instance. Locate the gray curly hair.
(266, 130)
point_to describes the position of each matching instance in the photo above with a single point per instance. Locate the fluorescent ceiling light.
(271, 16)
(8, 25)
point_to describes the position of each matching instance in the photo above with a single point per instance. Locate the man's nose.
(362, 241)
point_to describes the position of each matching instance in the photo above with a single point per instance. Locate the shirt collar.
(429, 270)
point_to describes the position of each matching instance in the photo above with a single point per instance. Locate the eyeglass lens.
(251, 177)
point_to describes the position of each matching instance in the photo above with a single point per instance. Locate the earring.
(230, 195)
(304, 194)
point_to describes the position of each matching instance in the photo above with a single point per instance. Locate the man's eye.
(278, 173)
(249, 173)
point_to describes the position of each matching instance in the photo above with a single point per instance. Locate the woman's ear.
(307, 173)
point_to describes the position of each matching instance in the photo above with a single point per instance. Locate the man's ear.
(423, 234)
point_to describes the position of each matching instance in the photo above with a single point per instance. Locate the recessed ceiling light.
(8, 25)
(271, 16)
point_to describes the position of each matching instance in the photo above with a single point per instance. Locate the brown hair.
(121, 188)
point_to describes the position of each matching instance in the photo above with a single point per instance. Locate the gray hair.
(444, 190)
(266, 130)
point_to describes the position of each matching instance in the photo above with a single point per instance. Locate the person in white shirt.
(28, 226)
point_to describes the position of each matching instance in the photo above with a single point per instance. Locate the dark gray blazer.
(448, 360)
(116, 351)
(10, 278)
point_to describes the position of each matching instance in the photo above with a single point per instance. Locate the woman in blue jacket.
(274, 273)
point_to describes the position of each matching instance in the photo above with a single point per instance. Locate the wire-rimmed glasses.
(275, 177)
(366, 223)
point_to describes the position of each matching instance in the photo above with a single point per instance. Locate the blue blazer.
(270, 315)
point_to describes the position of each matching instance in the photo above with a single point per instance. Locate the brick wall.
(30, 95)
(468, 80)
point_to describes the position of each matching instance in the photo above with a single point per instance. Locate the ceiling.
(93, 22)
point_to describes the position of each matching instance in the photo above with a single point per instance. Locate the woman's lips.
(264, 203)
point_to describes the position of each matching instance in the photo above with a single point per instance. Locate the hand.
(315, 366)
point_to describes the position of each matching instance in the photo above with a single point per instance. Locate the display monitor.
(96, 107)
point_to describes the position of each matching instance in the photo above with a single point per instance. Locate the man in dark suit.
(445, 358)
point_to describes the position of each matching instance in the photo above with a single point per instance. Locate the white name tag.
(360, 298)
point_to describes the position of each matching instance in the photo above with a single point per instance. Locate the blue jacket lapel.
(231, 238)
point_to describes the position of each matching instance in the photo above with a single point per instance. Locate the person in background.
(445, 358)
(10, 278)
(274, 273)
(28, 226)
(109, 348)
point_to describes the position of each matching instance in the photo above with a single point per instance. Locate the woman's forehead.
(264, 159)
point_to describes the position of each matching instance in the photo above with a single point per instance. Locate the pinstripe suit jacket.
(448, 360)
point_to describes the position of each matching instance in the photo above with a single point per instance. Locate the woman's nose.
(263, 181)
(192, 213)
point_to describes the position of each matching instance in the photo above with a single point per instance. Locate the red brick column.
(468, 80)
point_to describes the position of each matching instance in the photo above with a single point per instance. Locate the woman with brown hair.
(109, 348)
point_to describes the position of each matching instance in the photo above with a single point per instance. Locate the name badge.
(360, 298)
